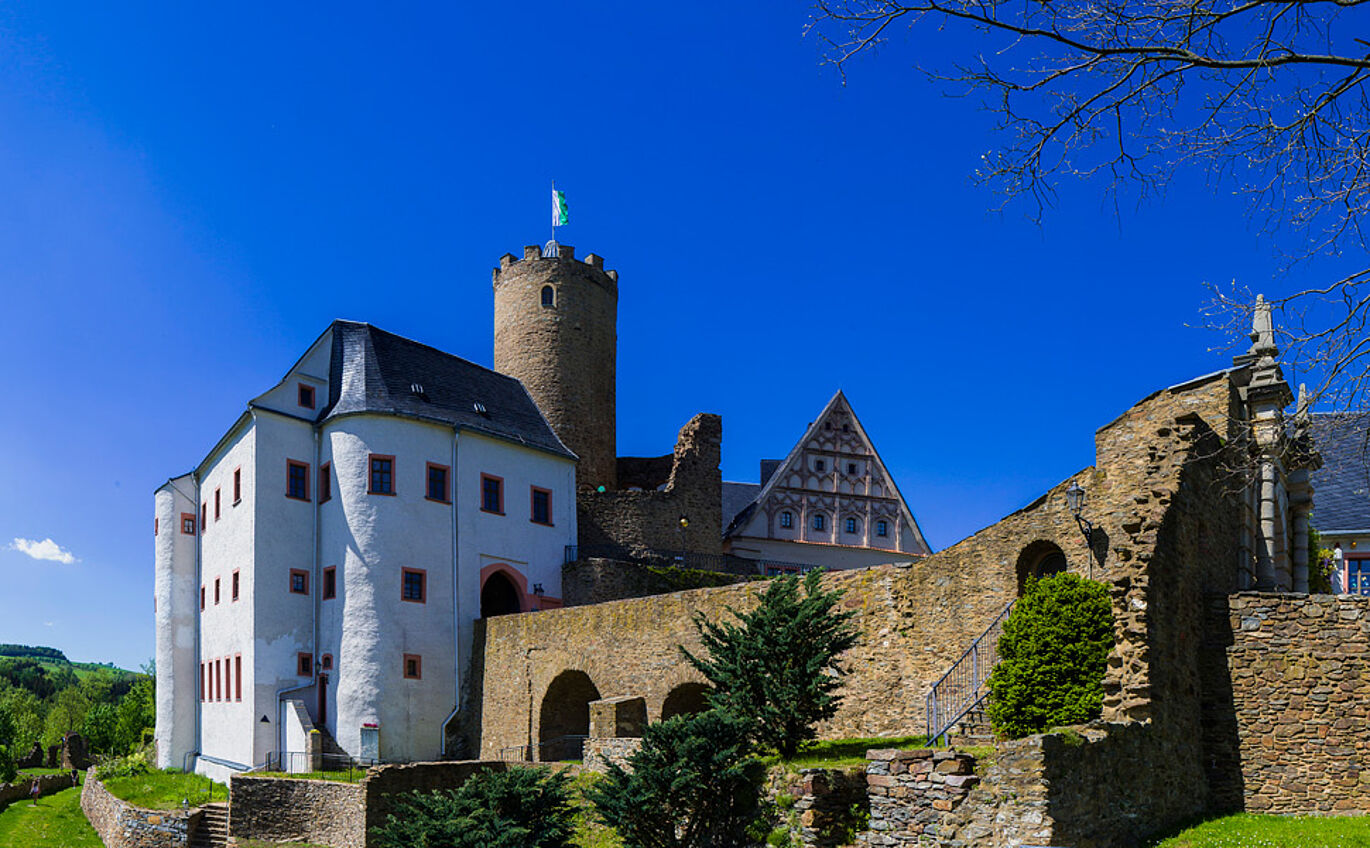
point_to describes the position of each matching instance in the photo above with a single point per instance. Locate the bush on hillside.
(131, 766)
(693, 784)
(519, 808)
(1052, 657)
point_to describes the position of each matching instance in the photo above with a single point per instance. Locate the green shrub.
(131, 766)
(777, 665)
(1052, 657)
(8, 770)
(519, 808)
(693, 784)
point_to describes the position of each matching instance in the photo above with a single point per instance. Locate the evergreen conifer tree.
(519, 808)
(776, 666)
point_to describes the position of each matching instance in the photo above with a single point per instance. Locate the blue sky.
(189, 195)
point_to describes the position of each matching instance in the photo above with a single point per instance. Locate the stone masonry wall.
(319, 812)
(912, 792)
(21, 787)
(826, 804)
(1297, 674)
(596, 580)
(626, 522)
(600, 751)
(122, 825)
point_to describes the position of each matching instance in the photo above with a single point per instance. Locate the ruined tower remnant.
(556, 331)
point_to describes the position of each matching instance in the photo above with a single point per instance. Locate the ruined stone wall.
(319, 812)
(23, 784)
(122, 825)
(1296, 673)
(596, 580)
(821, 808)
(913, 794)
(625, 522)
(383, 782)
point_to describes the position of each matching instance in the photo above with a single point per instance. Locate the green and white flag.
(560, 214)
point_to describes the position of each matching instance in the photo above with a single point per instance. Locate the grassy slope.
(1252, 831)
(57, 820)
(162, 790)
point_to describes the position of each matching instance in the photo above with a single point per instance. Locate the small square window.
(330, 583)
(851, 525)
(297, 480)
(325, 481)
(851, 468)
(299, 581)
(304, 665)
(882, 529)
(414, 585)
(326, 663)
(413, 667)
(217, 581)
(237, 485)
(382, 476)
(216, 504)
(542, 506)
(787, 519)
(305, 395)
(236, 581)
(820, 522)
(437, 483)
(820, 465)
(492, 494)
(188, 523)
(202, 598)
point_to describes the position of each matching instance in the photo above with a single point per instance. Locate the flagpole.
(554, 220)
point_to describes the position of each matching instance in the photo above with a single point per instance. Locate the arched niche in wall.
(499, 595)
(564, 719)
(685, 699)
(1039, 559)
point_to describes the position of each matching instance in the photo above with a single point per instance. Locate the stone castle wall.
(595, 580)
(624, 522)
(23, 784)
(564, 354)
(1293, 692)
(319, 812)
(122, 825)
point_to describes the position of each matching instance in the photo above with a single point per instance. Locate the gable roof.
(1341, 488)
(372, 370)
(838, 400)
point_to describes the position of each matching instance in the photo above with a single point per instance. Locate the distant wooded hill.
(36, 652)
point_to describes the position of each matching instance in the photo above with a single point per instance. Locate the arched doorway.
(564, 720)
(1039, 559)
(499, 596)
(685, 699)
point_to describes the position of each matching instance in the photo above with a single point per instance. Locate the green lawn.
(844, 753)
(1253, 831)
(164, 790)
(57, 820)
(589, 832)
(37, 772)
(353, 776)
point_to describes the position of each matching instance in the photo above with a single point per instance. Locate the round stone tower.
(556, 330)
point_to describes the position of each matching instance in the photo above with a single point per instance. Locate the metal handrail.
(524, 753)
(961, 689)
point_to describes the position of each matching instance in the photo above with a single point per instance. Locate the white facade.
(372, 655)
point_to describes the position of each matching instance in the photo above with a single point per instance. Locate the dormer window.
(549, 296)
(305, 395)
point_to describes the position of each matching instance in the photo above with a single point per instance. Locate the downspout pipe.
(315, 590)
(456, 603)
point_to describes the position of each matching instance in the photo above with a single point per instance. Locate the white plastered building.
(336, 547)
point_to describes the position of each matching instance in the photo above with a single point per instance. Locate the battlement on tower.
(566, 255)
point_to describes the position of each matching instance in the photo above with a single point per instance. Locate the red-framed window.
(188, 523)
(237, 677)
(156, 526)
(217, 582)
(492, 494)
(299, 581)
(304, 665)
(202, 682)
(228, 678)
(330, 583)
(237, 582)
(204, 516)
(217, 500)
(414, 585)
(380, 474)
(438, 479)
(326, 662)
(297, 480)
(1357, 575)
(540, 509)
(325, 482)
(237, 485)
(304, 393)
(202, 599)
(413, 667)
(218, 680)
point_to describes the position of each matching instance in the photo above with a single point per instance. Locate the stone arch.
(686, 699)
(565, 713)
(1039, 559)
(501, 592)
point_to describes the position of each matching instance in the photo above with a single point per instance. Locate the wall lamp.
(1075, 500)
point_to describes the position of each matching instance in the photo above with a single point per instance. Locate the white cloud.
(46, 549)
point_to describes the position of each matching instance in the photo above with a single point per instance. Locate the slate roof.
(736, 498)
(1341, 488)
(374, 371)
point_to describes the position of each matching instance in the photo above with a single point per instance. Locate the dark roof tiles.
(1341, 488)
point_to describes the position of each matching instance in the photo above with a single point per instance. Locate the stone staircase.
(973, 728)
(212, 829)
(956, 703)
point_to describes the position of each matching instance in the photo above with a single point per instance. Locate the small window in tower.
(304, 665)
(413, 667)
(237, 583)
(413, 585)
(237, 486)
(549, 296)
(820, 521)
(325, 482)
(306, 396)
(787, 519)
(330, 583)
(882, 529)
(382, 480)
(217, 582)
(216, 504)
(188, 523)
(297, 480)
(327, 662)
(299, 582)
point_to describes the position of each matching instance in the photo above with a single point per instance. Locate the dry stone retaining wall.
(122, 825)
(321, 812)
(21, 787)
